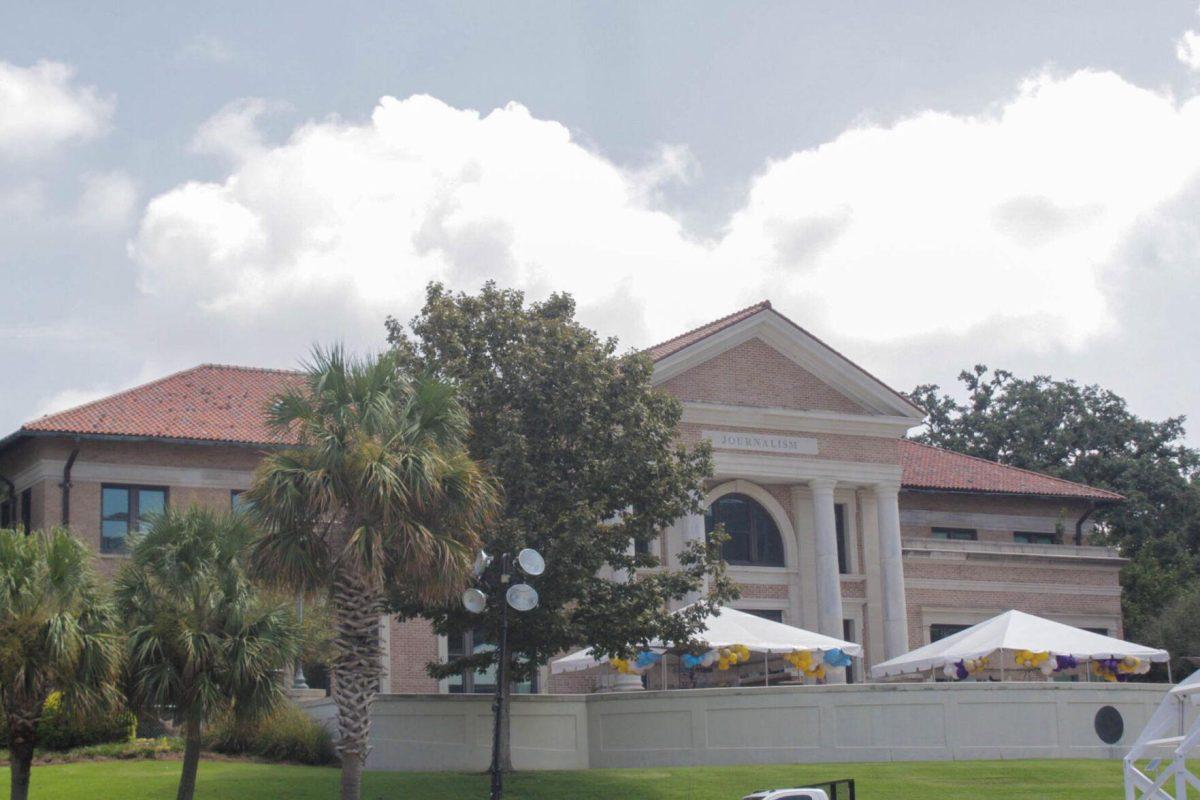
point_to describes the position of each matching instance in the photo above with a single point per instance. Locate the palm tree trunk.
(22, 736)
(21, 760)
(356, 671)
(191, 758)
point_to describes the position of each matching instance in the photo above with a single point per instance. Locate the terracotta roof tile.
(210, 402)
(927, 467)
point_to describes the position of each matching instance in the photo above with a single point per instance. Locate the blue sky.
(924, 185)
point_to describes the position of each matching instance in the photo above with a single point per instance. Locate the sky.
(925, 186)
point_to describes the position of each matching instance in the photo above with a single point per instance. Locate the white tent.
(1172, 734)
(1010, 632)
(726, 628)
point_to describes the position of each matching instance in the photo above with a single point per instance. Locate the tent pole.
(1002, 666)
(766, 669)
(664, 672)
(1169, 678)
(1087, 670)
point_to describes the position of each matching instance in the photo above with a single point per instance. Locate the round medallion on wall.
(1109, 725)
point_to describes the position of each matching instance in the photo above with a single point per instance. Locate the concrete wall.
(795, 724)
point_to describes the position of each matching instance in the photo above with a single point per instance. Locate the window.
(123, 510)
(7, 518)
(843, 543)
(27, 510)
(481, 681)
(773, 614)
(642, 547)
(1029, 537)
(848, 635)
(939, 631)
(1101, 631)
(237, 500)
(754, 538)
(956, 534)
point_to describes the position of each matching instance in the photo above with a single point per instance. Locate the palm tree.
(200, 639)
(56, 635)
(379, 489)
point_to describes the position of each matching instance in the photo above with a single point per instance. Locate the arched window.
(754, 538)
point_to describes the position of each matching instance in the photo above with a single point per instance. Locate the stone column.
(692, 528)
(829, 582)
(891, 558)
(829, 585)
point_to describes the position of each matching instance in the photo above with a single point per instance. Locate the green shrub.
(286, 735)
(58, 730)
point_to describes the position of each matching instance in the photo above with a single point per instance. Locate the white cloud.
(1187, 49)
(1011, 220)
(107, 200)
(42, 108)
(233, 133)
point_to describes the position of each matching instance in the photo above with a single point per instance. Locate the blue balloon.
(836, 658)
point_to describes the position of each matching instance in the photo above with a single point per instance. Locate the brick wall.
(413, 645)
(756, 374)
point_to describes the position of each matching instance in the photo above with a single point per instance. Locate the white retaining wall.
(795, 724)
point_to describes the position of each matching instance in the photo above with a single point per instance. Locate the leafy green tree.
(200, 640)
(1088, 434)
(57, 635)
(588, 454)
(379, 490)
(1177, 628)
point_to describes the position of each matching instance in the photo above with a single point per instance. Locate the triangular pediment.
(765, 360)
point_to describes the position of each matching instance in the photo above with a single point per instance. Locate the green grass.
(232, 780)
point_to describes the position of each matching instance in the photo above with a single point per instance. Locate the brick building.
(838, 524)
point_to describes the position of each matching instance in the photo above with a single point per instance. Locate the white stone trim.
(802, 348)
(787, 419)
(987, 522)
(104, 472)
(1013, 586)
(732, 465)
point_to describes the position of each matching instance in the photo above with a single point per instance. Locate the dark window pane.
(773, 614)
(941, 631)
(150, 503)
(754, 538)
(27, 510)
(848, 635)
(956, 534)
(114, 518)
(1028, 537)
(839, 517)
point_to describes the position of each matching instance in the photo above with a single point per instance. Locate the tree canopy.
(1086, 433)
(585, 450)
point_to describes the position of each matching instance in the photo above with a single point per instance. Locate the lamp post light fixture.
(522, 597)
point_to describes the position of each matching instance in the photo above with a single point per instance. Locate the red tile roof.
(672, 346)
(219, 403)
(927, 467)
(210, 402)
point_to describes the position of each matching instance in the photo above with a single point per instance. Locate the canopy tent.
(1010, 633)
(728, 627)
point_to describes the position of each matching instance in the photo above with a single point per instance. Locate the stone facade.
(863, 553)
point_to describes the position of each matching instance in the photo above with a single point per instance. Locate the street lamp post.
(522, 597)
(299, 682)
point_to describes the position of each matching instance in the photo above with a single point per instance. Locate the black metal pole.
(501, 677)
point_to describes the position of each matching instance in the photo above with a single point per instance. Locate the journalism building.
(838, 524)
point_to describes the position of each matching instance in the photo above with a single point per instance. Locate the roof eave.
(123, 437)
(1097, 501)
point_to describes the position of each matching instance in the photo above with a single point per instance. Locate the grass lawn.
(230, 780)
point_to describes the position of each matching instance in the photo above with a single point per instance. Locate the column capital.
(887, 488)
(822, 484)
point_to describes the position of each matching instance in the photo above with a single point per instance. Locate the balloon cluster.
(1120, 669)
(1064, 663)
(722, 658)
(730, 656)
(805, 661)
(967, 666)
(836, 658)
(638, 665)
(1040, 661)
